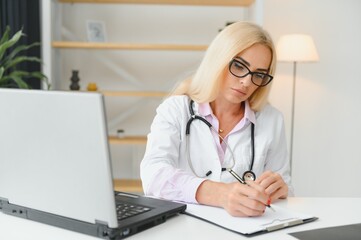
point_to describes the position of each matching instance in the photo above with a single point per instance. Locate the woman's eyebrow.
(249, 65)
(244, 61)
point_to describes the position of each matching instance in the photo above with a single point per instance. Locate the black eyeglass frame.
(249, 72)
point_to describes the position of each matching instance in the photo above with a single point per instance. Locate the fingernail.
(269, 201)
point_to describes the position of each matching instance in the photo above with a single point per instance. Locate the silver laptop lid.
(54, 154)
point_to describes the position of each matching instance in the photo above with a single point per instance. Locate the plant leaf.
(5, 37)
(24, 74)
(9, 75)
(18, 73)
(10, 43)
(20, 59)
(42, 77)
(16, 51)
(39, 75)
(19, 82)
(4, 84)
(1, 72)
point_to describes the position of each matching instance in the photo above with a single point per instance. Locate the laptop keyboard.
(125, 210)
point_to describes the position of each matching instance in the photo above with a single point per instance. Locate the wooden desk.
(331, 212)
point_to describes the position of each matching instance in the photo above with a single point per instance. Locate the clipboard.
(249, 226)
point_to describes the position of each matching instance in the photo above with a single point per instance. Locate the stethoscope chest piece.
(249, 176)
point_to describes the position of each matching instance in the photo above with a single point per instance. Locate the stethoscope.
(247, 175)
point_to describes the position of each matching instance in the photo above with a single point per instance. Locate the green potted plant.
(10, 76)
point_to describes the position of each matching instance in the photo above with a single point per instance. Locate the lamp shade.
(296, 48)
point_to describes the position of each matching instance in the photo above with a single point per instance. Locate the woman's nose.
(246, 80)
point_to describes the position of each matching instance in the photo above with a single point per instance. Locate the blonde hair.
(204, 85)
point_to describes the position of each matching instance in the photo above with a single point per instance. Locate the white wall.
(327, 149)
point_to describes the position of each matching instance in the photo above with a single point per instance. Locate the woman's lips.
(239, 91)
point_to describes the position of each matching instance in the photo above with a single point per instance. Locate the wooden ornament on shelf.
(75, 80)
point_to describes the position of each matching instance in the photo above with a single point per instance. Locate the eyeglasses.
(240, 70)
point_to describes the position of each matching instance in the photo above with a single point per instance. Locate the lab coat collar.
(204, 109)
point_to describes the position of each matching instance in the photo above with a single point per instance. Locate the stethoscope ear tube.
(193, 117)
(189, 126)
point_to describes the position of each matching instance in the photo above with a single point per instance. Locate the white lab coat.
(165, 171)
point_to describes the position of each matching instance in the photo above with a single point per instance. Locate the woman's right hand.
(245, 200)
(239, 200)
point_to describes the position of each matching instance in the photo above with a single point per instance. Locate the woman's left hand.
(274, 185)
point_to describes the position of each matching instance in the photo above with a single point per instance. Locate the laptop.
(56, 167)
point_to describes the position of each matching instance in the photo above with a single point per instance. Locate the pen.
(236, 176)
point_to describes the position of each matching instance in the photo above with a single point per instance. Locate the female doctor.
(218, 122)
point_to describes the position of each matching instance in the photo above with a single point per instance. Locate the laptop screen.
(47, 139)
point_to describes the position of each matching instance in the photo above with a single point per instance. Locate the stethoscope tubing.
(192, 118)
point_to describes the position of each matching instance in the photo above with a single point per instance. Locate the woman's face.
(256, 58)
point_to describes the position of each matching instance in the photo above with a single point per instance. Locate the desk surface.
(331, 212)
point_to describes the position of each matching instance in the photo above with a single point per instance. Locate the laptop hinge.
(12, 209)
(3, 201)
(103, 229)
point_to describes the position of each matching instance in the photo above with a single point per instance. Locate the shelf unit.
(134, 185)
(128, 140)
(133, 94)
(129, 46)
(128, 185)
(240, 3)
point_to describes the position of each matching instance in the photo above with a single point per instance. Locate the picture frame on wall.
(96, 31)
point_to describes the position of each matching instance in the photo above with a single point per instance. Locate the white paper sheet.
(270, 220)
